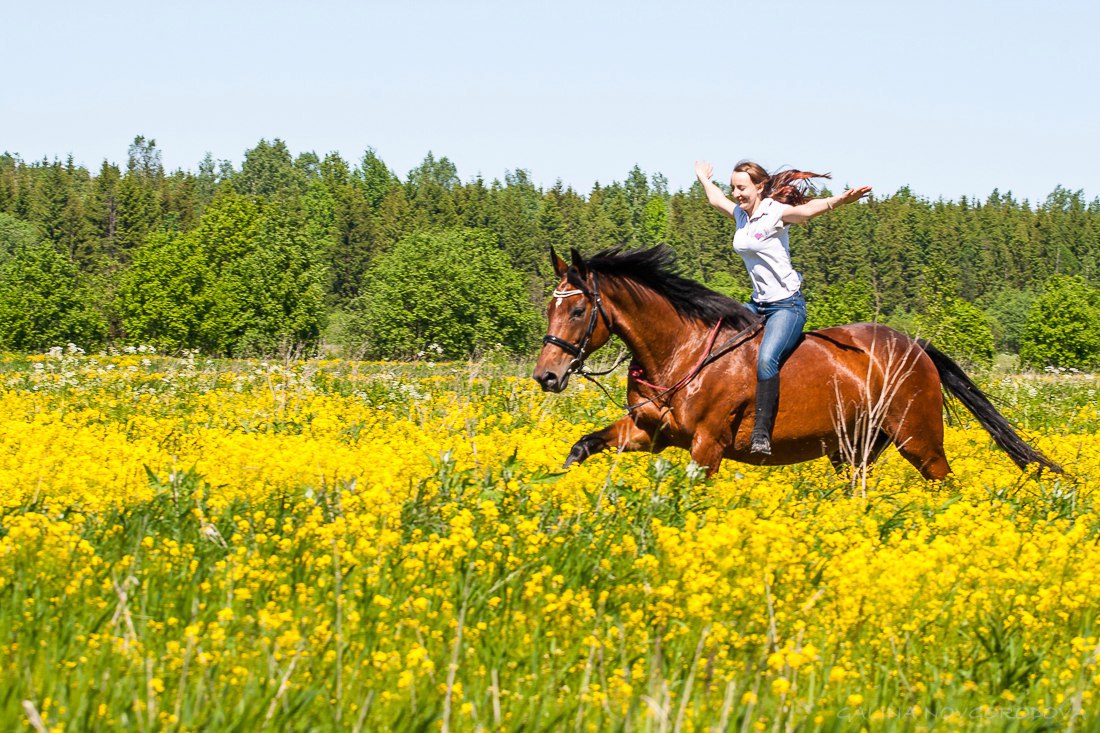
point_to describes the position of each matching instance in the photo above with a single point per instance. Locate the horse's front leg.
(707, 451)
(623, 435)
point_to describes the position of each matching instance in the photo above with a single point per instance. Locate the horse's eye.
(577, 312)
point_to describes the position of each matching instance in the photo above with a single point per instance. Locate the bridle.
(577, 351)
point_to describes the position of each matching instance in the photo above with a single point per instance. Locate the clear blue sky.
(950, 98)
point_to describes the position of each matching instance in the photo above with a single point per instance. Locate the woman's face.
(746, 193)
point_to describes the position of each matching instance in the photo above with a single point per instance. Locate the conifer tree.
(352, 229)
(514, 220)
(430, 188)
(375, 178)
(269, 171)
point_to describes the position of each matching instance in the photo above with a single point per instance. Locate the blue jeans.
(783, 322)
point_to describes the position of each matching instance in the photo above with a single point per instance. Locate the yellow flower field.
(194, 545)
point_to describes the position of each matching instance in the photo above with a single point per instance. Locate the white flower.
(211, 533)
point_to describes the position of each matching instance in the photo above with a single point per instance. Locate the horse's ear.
(559, 264)
(578, 263)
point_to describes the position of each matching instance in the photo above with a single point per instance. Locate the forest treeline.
(292, 250)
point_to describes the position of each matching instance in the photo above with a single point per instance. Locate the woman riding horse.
(853, 391)
(764, 206)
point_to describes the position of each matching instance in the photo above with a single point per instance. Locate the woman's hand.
(704, 170)
(851, 196)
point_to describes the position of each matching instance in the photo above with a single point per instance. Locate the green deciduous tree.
(957, 327)
(164, 297)
(851, 301)
(44, 302)
(250, 279)
(452, 292)
(1008, 311)
(1062, 325)
(960, 329)
(14, 234)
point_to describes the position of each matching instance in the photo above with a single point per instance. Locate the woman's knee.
(777, 345)
(766, 372)
(767, 363)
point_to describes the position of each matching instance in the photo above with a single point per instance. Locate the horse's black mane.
(656, 268)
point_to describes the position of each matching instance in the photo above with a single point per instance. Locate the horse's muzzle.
(551, 382)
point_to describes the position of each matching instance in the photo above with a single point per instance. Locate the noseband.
(578, 351)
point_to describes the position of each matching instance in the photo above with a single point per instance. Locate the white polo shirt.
(763, 242)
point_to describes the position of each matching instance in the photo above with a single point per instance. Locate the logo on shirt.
(759, 235)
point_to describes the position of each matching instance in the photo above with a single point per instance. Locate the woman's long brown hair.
(787, 187)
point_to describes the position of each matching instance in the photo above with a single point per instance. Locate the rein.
(636, 371)
(709, 357)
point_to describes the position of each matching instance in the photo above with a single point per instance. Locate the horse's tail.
(957, 383)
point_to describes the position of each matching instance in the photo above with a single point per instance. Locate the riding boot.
(767, 404)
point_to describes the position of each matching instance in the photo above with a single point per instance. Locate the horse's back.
(862, 336)
(855, 362)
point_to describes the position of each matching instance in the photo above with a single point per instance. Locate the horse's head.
(578, 323)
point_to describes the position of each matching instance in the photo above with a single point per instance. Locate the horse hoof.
(582, 449)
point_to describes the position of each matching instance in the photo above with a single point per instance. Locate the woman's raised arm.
(717, 199)
(816, 207)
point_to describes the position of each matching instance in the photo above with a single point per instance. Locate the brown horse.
(846, 392)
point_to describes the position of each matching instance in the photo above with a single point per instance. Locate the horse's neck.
(659, 339)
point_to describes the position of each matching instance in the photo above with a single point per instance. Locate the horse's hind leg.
(916, 424)
(929, 460)
(881, 441)
(841, 462)
(924, 449)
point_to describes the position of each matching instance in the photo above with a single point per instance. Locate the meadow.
(194, 544)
